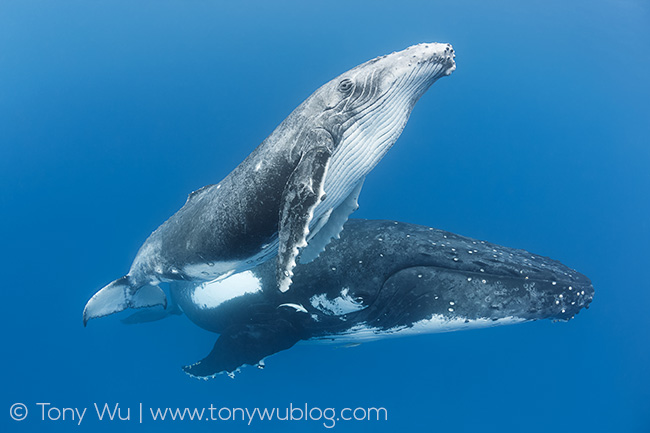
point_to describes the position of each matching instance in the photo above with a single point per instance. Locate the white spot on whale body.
(298, 307)
(214, 293)
(338, 306)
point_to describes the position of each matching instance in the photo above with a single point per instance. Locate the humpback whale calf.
(379, 279)
(294, 191)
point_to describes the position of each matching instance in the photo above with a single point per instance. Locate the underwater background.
(112, 112)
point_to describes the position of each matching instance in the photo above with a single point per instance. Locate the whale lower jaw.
(438, 323)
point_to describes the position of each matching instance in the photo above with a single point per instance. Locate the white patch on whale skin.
(298, 307)
(436, 324)
(214, 293)
(338, 306)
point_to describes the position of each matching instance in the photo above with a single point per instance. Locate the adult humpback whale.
(380, 279)
(295, 190)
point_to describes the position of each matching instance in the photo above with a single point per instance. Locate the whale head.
(400, 279)
(365, 109)
(374, 100)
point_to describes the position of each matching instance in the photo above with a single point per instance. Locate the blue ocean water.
(112, 112)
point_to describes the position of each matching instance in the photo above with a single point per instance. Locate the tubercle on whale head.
(426, 51)
(429, 52)
(430, 61)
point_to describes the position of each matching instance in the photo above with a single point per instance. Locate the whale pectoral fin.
(301, 195)
(245, 345)
(120, 295)
(332, 228)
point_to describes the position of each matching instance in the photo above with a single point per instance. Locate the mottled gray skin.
(267, 205)
(401, 274)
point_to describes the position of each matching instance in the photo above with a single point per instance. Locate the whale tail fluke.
(120, 295)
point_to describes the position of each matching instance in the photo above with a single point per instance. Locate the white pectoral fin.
(301, 195)
(331, 228)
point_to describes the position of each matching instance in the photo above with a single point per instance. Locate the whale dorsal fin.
(243, 345)
(332, 227)
(301, 195)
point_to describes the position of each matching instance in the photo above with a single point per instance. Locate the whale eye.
(345, 85)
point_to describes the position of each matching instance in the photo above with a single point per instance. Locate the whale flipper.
(245, 345)
(303, 192)
(120, 295)
(153, 314)
(332, 227)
